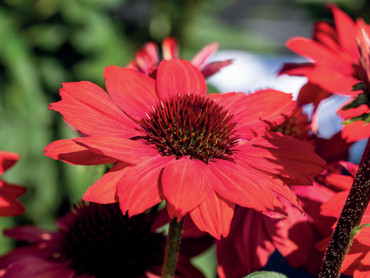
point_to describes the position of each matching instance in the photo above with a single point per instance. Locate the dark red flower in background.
(93, 241)
(9, 205)
(170, 141)
(147, 58)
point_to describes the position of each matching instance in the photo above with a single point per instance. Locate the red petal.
(12, 189)
(292, 236)
(311, 93)
(203, 55)
(356, 131)
(132, 91)
(334, 206)
(7, 160)
(214, 215)
(104, 190)
(170, 48)
(177, 76)
(352, 112)
(315, 51)
(326, 34)
(299, 69)
(185, 184)
(341, 182)
(214, 67)
(346, 30)
(256, 112)
(138, 189)
(248, 246)
(332, 149)
(282, 155)
(146, 58)
(9, 205)
(130, 151)
(69, 151)
(333, 81)
(246, 187)
(88, 108)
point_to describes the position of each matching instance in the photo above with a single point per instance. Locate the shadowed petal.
(104, 190)
(69, 151)
(214, 67)
(203, 55)
(247, 247)
(138, 189)
(7, 160)
(179, 77)
(214, 215)
(185, 184)
(130, 151)
(33, 267)
(12, 189)
(9, 206)
(282, 155)
(132, 91)
(243, 186)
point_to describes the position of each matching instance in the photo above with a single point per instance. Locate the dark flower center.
(103, 242)
(190, 125)
(296, 126)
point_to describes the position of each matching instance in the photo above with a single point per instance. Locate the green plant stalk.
(172, 248)
(350, 218)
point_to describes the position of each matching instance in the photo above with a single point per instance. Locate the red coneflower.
(339, 60)
(170, 141)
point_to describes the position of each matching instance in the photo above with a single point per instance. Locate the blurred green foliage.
(44, 43)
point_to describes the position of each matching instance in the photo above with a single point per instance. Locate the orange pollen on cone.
(190, 125)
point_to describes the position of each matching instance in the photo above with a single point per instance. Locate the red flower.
(9, 205)
(170, 141)
(334, 54)
(147, 59)
(357, 261)
(340, 59)
(93, 240)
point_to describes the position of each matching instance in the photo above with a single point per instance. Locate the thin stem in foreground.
(353, 210)
(172, 249)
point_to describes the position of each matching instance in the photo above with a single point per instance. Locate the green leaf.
(357, 229)
(364, 117)
(358, 101)
(265, 274)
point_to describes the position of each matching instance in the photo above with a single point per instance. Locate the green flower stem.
(172, 249)
(350, 218)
